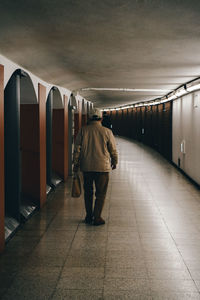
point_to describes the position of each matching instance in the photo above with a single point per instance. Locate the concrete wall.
(186, 134)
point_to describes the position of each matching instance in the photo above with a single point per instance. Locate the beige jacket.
(95, 149)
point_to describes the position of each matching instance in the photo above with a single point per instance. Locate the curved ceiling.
(135, 44)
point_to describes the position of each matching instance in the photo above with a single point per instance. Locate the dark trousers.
(100, 180)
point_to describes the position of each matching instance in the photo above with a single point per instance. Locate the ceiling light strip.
(181, 91)
(124, 89)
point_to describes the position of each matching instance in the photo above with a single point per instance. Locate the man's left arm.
(113, 151)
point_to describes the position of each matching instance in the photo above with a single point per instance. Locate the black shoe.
(88, 220)
(98, 222)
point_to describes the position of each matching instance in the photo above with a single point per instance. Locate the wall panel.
(148, 126)
(42, 136)
(66, 146)
(155, 127)
(124, 123)
(167, 130)
(129, 122)
(2, 209)
(139, 124)
(186, 124)
(113, 116)
(58, 141)
(119, 122)
(30, 150)
(134, 124)
(160, 128)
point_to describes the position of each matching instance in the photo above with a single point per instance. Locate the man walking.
(95, 153)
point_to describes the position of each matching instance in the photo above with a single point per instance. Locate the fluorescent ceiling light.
(164, 99)
(125, 107)
(180, 92)
(193, 87)
(123, 90)
(139, 104)
(171, 97)
(183, 90)
(155, 103)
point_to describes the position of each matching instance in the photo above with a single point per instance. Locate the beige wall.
(186, 127)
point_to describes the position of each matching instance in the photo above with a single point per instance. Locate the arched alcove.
(21, 150)
(54, 138)
(27, 91)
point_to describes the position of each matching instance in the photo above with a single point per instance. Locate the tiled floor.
(149, 247)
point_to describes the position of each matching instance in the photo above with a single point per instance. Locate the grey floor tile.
(113, 245)
(159, 254)
(117, 254)
(63, 294)
(62, 238)
(168, 274)
(6, 279)
(94, 235)
(166, 264)
(30, 233)
(139, 286)
(21, 249)
(175, 296)
(125, 295)
(190, 253)
(123, 235)
(88, 245)
(193, 264)
(155, 235)
(186, 235)
(197, 282)
(85, 261)
(51, 273)
(33, 287)
(157, 242)
(173, 285)
(187, 241)
(51, 250)
(80, 283)
(46, 260)
(84, 272)
(195, 274)
(136, 272)
(11, 262)
(119, 228)
(88, 253)
(148, 249)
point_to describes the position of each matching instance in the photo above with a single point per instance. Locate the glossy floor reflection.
(149, 247)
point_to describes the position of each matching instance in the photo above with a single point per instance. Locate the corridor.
(149, 247)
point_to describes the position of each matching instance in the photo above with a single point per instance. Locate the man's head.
(95, 114)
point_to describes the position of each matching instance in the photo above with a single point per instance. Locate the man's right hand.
(113, 167)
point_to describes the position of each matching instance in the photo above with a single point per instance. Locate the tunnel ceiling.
(77, 44)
